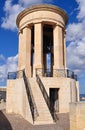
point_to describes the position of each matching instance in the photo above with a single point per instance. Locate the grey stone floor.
(16, 122)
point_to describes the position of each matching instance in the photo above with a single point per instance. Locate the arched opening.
(48, 50)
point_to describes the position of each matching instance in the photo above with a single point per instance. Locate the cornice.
(42, 7)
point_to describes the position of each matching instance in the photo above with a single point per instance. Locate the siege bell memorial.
(36, 91)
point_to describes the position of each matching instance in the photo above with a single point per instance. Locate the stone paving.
(16, 122)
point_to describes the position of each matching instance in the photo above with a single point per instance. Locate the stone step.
(44, 113)
(43, 122)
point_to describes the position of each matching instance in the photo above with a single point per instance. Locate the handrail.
(21, 74)
(33, 107)
(46, 97)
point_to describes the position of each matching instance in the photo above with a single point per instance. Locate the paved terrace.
(16, 122)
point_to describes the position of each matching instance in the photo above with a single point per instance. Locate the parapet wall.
(77, 116)
(68, 90)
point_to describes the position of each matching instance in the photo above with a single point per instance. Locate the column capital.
(27, 26)
(64, 32)
(59, 25)
(20, 31)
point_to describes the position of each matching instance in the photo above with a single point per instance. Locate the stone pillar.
(24, 61)
(22, 51)
(28, 51)
(38, 47)
(61, 47)
(58, 47)
(64, 33)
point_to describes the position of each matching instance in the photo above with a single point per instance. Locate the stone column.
(27, 40)
(58, 47)
(24, 61)
(38, 47)
(22, 51)
(64, 49)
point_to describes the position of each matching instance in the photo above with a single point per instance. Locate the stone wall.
(77, 116)
(68, 90)
(17, 100)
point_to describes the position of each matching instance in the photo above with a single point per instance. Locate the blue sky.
(75, 35)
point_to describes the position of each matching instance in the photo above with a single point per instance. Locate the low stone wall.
(77, 116)
(17, 100)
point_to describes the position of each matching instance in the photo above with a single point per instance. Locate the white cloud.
(10, 65)
(29, 2)
(2, 57)
(76, 37)
(12, 10)
(76, 55)
(3, 73)
(73, 31)
(81, 8)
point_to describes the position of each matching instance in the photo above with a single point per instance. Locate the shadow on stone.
(4, 122)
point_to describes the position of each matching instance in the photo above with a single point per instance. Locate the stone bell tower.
(42, 86)
(42, 33)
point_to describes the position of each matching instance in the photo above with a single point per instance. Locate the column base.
(55, 69)
(37, 70)
(58, 72)
(28, 71)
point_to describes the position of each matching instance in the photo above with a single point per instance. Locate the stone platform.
(16, 122)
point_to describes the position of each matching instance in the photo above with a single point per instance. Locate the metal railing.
(71, 74)
(42, 88)
(21, 74)
(56, 73)
(33, 107)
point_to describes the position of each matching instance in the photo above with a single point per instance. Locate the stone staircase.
(43, 110)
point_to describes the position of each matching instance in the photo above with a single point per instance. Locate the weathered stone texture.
(77, 116)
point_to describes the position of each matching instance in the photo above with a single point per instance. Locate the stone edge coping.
(78, 103)
(44, 7)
